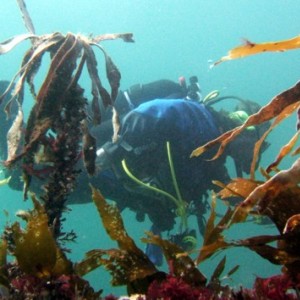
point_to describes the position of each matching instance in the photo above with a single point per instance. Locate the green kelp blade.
(131, 261)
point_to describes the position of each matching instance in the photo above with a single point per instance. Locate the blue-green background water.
(173, 38)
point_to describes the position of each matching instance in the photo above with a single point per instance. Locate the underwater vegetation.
(58, 133)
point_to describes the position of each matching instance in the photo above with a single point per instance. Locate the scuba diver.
(149, 169)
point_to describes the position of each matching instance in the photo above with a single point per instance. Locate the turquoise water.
(172, 38)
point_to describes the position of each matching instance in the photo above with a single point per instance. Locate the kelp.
(129, 265)
(285, 253)
(292, 224)
(215, 281)
(26, 17)
(182, 266)
(250, 48)
(213, 239)
(57, 127)
(59, 110)
(285, 150)
(281, 106)
(239, 187)
(279, 190)
(277, 198)
(36, 250)
(55, 136)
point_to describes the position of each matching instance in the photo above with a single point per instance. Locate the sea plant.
(42, 266)
(51, 143)
(276, 198)
(55, 136)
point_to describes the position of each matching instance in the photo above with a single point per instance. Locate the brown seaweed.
(213, 237)
(181, 265)
(26, 17)
(250, 48)
(280, 107)
(60, 108)
(128, 264)
(14, 135)
(285, 150)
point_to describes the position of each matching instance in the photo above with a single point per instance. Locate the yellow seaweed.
(36, 250)
(128, 264)
(250, 48)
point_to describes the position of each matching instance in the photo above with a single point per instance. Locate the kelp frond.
(280, 107)
(59, 107)
(250, 48)
(213, 236)
(270, 192)
(181, 265)
(36, 250)
(128, 264)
